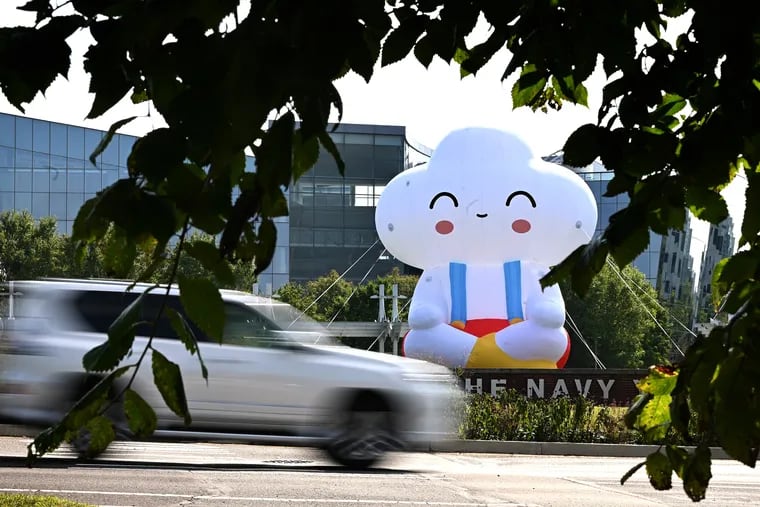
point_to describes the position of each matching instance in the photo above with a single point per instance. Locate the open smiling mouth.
(481, 215)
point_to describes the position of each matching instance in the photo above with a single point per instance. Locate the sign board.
(605, 387)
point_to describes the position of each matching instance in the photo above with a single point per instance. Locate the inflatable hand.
(425, 316)
(545, 311)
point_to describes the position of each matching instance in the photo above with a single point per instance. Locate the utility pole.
(393, 328)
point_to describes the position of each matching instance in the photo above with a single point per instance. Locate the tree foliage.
(618, 319)
(678, 121)
(330, 298)
(29, 249)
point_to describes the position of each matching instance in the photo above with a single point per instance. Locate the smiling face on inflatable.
(485, 220)
(483, 198)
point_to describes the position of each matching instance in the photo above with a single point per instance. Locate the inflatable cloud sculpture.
(485, 220)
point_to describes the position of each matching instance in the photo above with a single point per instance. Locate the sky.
(428, 102)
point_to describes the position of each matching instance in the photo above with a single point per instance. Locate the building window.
(7, 130)
(24, 133)
(40, 205)
(41, 136)
(76, 142)
(366, 195)
(58, 205)
(58, 139)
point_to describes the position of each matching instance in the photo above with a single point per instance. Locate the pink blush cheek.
(444, 227)
(521, 226)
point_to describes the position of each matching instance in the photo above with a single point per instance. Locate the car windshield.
(290, 323)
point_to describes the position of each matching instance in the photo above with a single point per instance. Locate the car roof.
(111, 285)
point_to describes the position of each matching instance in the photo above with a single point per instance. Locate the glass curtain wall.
(332, 217)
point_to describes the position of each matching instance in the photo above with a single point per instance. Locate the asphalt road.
(232, 474)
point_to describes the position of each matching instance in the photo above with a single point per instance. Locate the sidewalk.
(10, 446)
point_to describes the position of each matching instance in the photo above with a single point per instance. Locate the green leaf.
(697, 474)
(400, 41)
(106, 140)
(581, 265)
(203, 304)
(41, 7)
(582, 147)
(424, 51)
(168, 380)
(571, 90)
(121, 336)
(329, 145)
(88, 224)
(634, 411)
(735, 418)
(659, 382)
(105, 62)
(627, 235)
(751, 219)
(267, 239)
(141, 417)
(274, 158)
(84, 409)
(156, 153)
(679, 458)
(137, 211)
(654, 420)
(528, 86)
(659, 471)
(738, 267)
(671, 104)
(305, 153)
(187, 336)
(100, 435)
(706, 204)
(45, 46)
(119, 254)
(211, 258)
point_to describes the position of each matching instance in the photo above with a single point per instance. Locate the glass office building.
(45, 168)
(332, 217)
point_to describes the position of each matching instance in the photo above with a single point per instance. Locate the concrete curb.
(490, 446)
(553, 448)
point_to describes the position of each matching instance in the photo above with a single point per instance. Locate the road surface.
(232, 474)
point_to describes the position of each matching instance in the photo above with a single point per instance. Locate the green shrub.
(512, 416)
(16, 500)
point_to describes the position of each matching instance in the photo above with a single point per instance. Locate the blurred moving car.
(277, 378)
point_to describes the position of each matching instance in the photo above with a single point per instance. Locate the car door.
(262, 377)
(253, 380)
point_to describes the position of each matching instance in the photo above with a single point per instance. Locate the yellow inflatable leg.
(486, 354)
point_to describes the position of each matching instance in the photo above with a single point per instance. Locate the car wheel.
(364, 433)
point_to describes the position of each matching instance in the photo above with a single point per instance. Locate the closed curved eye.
(444, 194)
(523, 193)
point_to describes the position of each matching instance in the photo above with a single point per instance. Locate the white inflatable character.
(485, 220)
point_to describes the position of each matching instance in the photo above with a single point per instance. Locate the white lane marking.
(257, 499)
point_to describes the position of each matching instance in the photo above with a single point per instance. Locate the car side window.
(243, 326)
(98, 309)
(151, 306)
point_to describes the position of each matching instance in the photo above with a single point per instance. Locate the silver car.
(277, 378)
